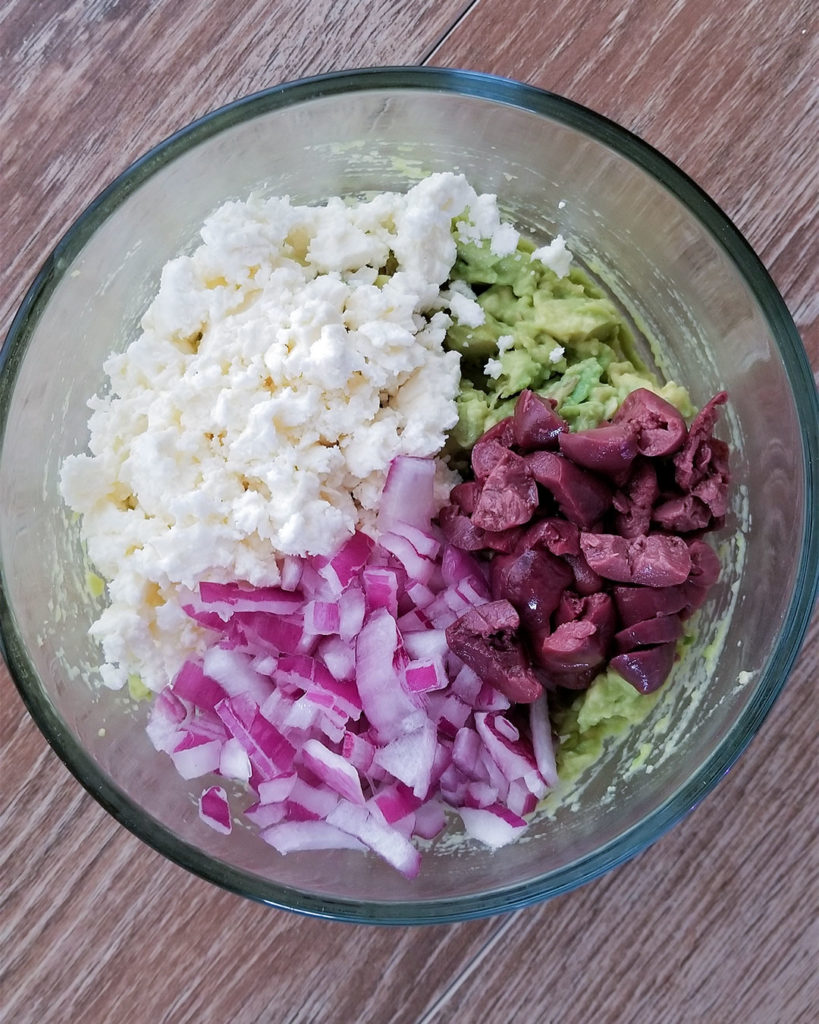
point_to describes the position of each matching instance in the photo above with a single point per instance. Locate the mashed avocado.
(564, 339)
(608, 708)
(558, 336)
(137, 690)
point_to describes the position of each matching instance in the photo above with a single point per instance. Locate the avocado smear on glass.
(562, 338)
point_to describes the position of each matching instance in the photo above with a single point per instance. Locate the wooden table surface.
(717, 922)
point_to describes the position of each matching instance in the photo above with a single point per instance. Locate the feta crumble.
(505, 342)
(278, 372)
(466, 311)
(493, 368)
(555, 255)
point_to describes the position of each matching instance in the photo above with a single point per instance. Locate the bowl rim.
(772, 678)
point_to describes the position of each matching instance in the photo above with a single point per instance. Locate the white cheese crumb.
(504, 240)
(493, 368)
(555, 255)
(505, 342)
(466, 311)
(556, 354)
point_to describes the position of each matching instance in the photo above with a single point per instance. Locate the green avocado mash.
(137, 690)
(564, 339)
(560, 337)
(608, 708)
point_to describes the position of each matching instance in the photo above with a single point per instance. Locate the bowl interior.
(553, 169)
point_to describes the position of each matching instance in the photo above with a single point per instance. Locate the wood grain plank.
(93, 920)
(717, 922)
(730, 98)
(88, 87)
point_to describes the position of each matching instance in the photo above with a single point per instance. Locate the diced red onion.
(336, 698)
(426, 674)
(333, 769)
(542, 744)
(195, 761)
(387, 842)
(449, 711)
(209, 619)
(359, 751)
(507, 729)
(519, 799)
(192, 684)
(418, 567)
(396, 801)
(338, 656)
(510, 755)
(351, 610)
(479, 794)
(431, 643)
(380, 589)
(467, 685)
(264, 665)
(321, 617)
(234, 762)
(386, 704)
(424, 543)
(348, 562)
(312, 801)
(264, 815)
(466, 754)
(458, 565)
(291, 570)
(214, 810)
(332, 730)
(420, 594)
(408, 496)
(233, 671)
(301, 715)
(409, 758)
(430, 819)
(272, 600)
(413, 621)
(278, 789)
(167, 718)
(494, 826)
(285, 634)
(490, 699)
(291, 836)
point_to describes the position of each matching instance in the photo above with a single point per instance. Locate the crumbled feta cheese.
(258, 411)
(493, 368)
(556, 354)
(504, 240)
(505, 342)
(466, 311)
(555, 255)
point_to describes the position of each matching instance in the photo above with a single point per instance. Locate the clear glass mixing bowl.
(682, 272)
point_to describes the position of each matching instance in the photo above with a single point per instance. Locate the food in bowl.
(325, 490)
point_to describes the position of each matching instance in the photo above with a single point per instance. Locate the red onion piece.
(494, 826)
(214, 810)
(291, 836)
(333, 769)
(408, 495)
(194, 761)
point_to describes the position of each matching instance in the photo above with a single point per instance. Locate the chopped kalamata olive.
(659, 427)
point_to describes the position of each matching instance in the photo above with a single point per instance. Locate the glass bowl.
(681, 271)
